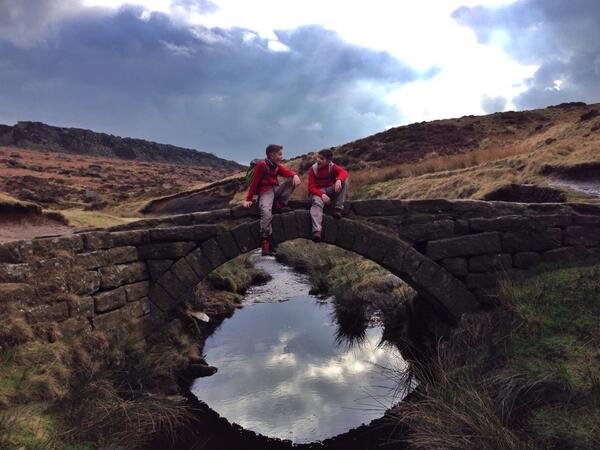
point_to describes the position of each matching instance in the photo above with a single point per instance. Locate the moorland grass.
(524, 376)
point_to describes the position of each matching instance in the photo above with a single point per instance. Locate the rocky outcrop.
(39, 136)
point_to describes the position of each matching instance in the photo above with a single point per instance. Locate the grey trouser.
(266, 199)
(337, 199)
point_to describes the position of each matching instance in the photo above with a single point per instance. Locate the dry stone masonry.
(127, 279)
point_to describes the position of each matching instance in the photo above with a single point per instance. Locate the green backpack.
(250, 171)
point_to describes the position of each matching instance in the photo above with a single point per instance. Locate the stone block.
(161, 298)
(84, 282)
(165, 250)
(452, 294)
(172, 285)
(362, 240)
(122, 255)
(490, 263)
(199, 263)
(290, 226)
(532, 240)
(505, 223)
(196, 233)
(583, 235)
(380, 245)
(97, 240)
(228, 245)
(139, 308)
(15, 273)
(213, 253)
(109, 300)
(439, 229)
(81, 307)
(456, 266)
(378, 207)
(476, 244)
(56, 312)
(278, 230)
(484, 280)
(329, 229)
(120, 274)
(564, 254)
(304, 224)
(137, 291)
(16, 252)
(128, 238)
(525, 260)
(239, 212)
(156, 267)
(185, 273)
(245, 238)
(347, 231)
(461, 226)
(75, 327)
(93, 260)
(115, 320)
(17, 294)
(48, 247)
(586, 220)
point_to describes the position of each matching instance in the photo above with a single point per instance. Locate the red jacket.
(260, 183)
(323, 179)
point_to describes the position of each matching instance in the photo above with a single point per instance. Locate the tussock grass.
(238, 275)
(524, 376)
(81, 218)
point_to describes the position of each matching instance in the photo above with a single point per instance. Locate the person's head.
(274, 152)
(324, 157)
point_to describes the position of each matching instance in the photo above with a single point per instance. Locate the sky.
(231, 76)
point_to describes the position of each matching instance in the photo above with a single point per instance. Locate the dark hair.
(326, 153)
(272, 148)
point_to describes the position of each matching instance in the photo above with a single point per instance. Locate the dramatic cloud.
(227, 91)
(493, 104)
(563, 38)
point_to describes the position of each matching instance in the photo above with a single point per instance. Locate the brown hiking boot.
(316, 236)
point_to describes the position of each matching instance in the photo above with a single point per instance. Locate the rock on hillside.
(39, 136)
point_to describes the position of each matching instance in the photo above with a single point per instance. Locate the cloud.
(493, 104)
(563, 38)
(23, 22)
(209, 88)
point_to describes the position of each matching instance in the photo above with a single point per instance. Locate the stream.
(285, 371)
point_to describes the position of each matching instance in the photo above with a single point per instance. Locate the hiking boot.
(280, 208)
(337, 214)
(266, 248)
(316, 236)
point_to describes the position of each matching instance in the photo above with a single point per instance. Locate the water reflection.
(282, 374)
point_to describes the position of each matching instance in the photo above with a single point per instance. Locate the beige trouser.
(266, 199)
(337, 199)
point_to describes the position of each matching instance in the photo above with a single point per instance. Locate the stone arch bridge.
(130, 277)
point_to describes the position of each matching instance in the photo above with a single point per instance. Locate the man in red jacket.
(327, 183)
(271, 195)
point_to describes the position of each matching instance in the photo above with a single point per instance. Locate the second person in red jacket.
(327, 183)
(271, 195)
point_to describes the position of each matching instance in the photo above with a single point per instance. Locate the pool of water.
(285, 373)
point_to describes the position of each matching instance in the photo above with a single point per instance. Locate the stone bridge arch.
(434, 283)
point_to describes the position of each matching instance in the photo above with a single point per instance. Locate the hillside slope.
(39, 136)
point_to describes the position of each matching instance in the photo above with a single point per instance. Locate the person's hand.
(296, 180)
(247, 203)
(326, 199)
(338, 185)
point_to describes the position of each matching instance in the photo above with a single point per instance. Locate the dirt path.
(590, 187)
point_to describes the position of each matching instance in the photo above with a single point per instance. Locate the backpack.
(250, 171)
(315, 168)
